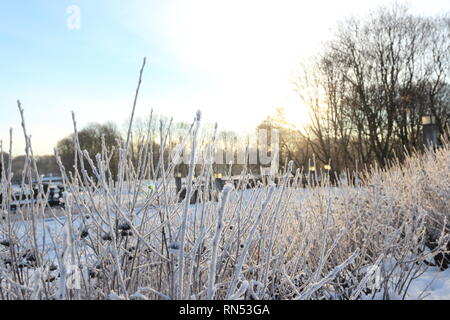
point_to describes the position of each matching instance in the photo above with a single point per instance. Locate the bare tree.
(369, 87)
(92, 138)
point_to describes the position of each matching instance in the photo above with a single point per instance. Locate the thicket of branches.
(116, 239)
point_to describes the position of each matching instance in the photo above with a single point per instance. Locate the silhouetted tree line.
(96, 139)
(46, 165)
(369, 86)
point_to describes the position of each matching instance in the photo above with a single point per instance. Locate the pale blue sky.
(231, 59)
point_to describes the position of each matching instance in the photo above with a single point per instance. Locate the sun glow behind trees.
(233, 60)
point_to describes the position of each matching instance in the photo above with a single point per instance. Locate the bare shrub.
(117, 239)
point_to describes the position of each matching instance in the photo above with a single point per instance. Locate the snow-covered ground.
(432, 285)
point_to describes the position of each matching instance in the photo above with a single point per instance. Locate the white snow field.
(432, 285)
